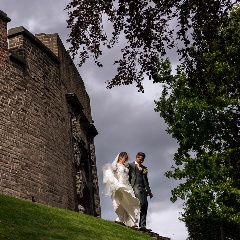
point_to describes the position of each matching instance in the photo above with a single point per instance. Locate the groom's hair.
(141, 154)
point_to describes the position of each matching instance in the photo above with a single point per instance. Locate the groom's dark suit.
(139, 181)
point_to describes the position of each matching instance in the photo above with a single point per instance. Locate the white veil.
(109, 179)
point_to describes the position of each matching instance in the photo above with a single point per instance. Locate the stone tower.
(47, 151)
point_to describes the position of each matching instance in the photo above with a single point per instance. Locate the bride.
(115, 178)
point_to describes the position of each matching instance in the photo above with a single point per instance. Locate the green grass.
(21, 219)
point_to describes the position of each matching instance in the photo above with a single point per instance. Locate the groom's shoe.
(145, 229)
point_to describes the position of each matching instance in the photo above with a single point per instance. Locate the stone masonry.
(47, 151)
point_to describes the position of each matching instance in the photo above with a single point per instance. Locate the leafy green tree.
(200, 102)
(202, 110)
(149, 29)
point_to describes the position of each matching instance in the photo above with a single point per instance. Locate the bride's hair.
(122, 154)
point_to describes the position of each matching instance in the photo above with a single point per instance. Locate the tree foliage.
(200, 102)
(202, 110)
(149, 27)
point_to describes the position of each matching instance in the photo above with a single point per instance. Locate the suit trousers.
(141, 194)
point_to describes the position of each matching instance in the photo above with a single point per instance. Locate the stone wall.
(47, 150)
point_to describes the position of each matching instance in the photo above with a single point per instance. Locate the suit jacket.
(143, 174)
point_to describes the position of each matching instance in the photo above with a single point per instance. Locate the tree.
(200, 103)
(146, 25)
(202, 110)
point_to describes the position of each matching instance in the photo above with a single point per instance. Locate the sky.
(125, 118)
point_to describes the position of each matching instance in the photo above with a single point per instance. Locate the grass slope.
(21, 219)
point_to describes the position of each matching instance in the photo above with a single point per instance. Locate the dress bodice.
(122, 174)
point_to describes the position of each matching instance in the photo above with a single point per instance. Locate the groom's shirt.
(138, 166)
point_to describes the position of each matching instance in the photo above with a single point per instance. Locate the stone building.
(47, 151)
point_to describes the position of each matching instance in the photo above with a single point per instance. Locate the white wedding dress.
(126, 205)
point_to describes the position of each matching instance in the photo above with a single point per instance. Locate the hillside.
(21, 219)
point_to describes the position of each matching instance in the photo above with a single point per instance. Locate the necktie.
(139, 167)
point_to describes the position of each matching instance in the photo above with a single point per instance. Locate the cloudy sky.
(124, 118)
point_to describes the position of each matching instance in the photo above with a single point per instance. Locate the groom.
(139, 181)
